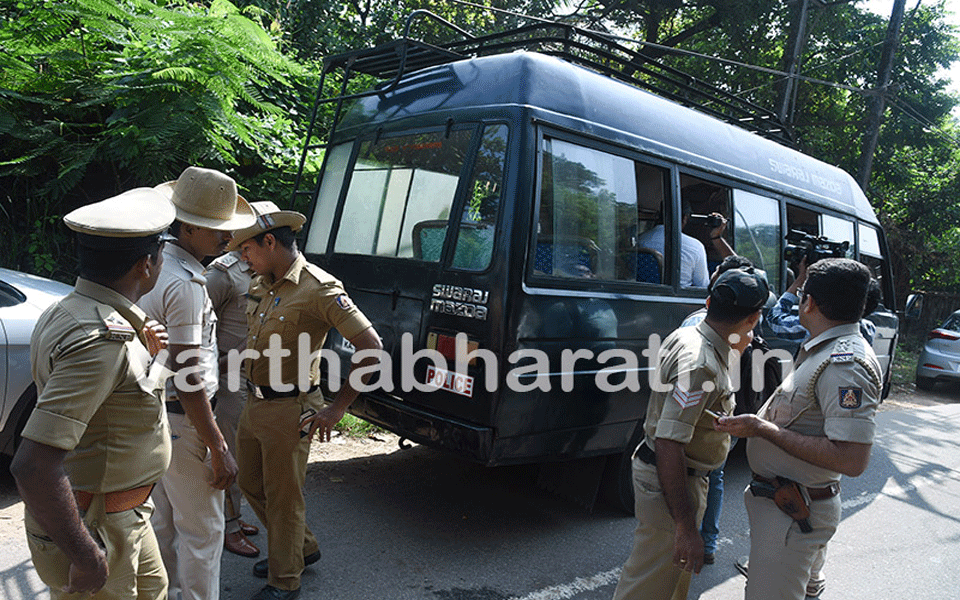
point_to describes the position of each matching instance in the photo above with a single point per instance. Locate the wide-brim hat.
(208, 198)
(268, 216)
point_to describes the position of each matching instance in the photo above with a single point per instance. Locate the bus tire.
(616, 487)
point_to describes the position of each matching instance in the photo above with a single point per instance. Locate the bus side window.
(838, 230)
(756, 232)
(800, 219)
(478, 224)
(870, 255)
(644, 261)
(594, 205)
(700, 198)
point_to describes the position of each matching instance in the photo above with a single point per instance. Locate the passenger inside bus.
(694, 268)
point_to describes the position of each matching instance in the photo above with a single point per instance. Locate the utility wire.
(905, 109)
(671, 50)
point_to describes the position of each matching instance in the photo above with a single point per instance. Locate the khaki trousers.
(781, 556)
(272, 458)
(649, 573)
(136, 570)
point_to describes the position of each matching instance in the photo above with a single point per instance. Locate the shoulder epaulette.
(225, 262)
(842, 352)
(321, 275)
(118, 329)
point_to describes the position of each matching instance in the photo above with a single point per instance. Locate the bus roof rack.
(604, 54)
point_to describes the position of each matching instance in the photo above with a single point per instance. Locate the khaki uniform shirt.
(228, 281)
(98, 397)
(833, 393)
(306, 300)
(694, 361)
(180, 301)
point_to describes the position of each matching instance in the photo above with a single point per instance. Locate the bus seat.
(569, 252)
(543, 259)
(649, 265)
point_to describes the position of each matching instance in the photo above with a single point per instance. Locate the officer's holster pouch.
(789, 496)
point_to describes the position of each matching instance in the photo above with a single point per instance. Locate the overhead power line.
(680, 51)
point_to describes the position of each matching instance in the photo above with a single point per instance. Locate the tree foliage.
(97, 96)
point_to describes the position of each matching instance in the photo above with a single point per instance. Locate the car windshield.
(952, 323)
(9, 295)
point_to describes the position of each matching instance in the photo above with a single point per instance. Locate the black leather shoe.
(262, 568)
(271, 593)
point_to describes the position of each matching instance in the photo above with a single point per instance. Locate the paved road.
(417, 524)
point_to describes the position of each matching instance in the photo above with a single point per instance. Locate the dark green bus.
(504, 198)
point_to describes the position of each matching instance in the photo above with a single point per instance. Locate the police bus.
(506, 198)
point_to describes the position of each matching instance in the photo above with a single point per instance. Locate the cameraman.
(784, 319)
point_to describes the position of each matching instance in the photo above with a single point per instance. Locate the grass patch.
(905, 364)
(354, 427)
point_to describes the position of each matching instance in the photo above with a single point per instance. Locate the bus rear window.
(398, 183)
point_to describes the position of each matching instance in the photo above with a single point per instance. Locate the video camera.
(801, 244)
(710, 221)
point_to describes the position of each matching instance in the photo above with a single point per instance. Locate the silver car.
(22, 298)
(940, 358)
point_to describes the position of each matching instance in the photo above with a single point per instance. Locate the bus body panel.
(539, 98)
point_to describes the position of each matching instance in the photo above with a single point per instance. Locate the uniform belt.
(174, 406)
(115, 502)
(648, 456)
(264, 392)
(814, 493)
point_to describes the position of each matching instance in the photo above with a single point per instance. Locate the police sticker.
(851, 398)
(343, 301)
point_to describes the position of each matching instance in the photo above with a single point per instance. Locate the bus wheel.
(616, 487)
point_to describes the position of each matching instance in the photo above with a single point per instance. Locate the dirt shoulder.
(340, 450)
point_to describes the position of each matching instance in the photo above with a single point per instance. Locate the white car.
(940, 358)
(23, 298)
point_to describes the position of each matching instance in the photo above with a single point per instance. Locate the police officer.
(288, 297)
(681, 445)
(228, 280)
(818, 425)
(188, 519)
(97, 440)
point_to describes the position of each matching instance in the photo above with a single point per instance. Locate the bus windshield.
(403, 190)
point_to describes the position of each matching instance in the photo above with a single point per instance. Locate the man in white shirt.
(189, 520)
(693, 256)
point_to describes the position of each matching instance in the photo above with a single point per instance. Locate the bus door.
(593, 295)
(412, 239)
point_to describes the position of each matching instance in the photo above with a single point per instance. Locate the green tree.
(98, 96)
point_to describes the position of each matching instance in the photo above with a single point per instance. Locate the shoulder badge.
(343, 301)
(851, 398)
(117, 328)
